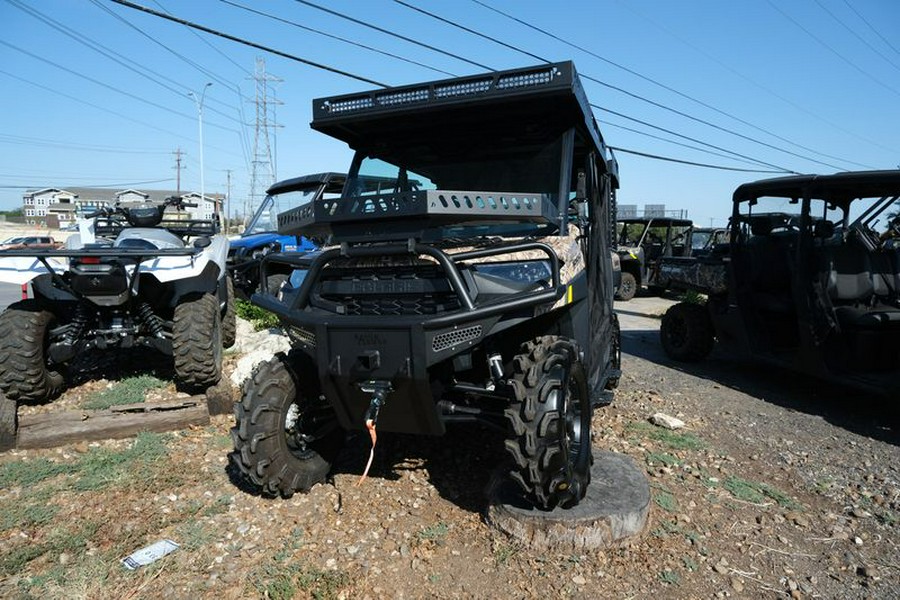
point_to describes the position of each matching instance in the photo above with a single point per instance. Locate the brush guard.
(350, 350)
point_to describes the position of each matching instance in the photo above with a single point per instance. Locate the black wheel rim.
(304, 426)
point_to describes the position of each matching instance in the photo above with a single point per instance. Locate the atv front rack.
(361, 218)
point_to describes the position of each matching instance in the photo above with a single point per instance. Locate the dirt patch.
(762, 494)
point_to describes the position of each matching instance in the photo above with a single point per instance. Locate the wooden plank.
(7, 423)
(55, 429)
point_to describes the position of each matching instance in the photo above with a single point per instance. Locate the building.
(58, 207)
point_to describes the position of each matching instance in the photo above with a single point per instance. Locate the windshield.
(533, 169)
(266, 218)
(629, 234)
(700, 239)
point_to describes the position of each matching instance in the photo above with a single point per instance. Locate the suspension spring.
(78, 324)
(146, 315)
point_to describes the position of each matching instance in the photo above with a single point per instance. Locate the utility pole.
(178, 154)
(199, 103)
(227, 199)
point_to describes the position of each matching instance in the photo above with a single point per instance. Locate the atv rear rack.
(112, 226)
(100, 252)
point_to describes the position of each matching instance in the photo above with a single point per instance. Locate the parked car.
(30, 241)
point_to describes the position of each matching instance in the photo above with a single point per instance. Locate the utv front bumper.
(391, 325)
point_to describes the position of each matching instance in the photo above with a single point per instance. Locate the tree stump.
(614, 510)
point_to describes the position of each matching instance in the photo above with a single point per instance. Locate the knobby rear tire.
(197, 343)
(25, 375)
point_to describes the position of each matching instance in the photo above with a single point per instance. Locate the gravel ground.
(777, 487)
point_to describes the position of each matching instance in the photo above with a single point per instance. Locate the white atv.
(127, 279)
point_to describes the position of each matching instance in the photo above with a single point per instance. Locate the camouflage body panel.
(706, 277)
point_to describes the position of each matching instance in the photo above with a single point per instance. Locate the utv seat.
(886, 273)
(854, 289)
(770, 258)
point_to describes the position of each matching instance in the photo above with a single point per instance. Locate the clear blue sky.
(816, 78)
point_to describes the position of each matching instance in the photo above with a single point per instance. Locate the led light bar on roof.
(350, 104)
(405, 97)
(527, 79)
(462, 89)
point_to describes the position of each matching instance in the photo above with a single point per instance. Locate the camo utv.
(810, 280)
(643, 243)
(465, 278)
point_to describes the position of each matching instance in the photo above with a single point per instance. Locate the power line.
(242, 134)
(306, 2)
(331, 69)
(102, 108)
(610, 86)
(19, 140)
(668, 141)
(662, 85)
(831, 49)
(394, 34)
(208, 44)
(872, 27)
(227, 36)
(335, 37)
(688, 162)
(99, 185)
(109, 53)
(856, 35)
(736, 73)
(695, 140)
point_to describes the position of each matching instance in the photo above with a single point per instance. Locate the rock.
(798, 518)
(579, 580)
(260, 346)
(737, 585)
(667, 421)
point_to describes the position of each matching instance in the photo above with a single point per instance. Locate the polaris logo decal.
(367, 340)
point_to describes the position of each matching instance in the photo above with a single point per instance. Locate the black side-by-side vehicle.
(465, 276)
(810, 280)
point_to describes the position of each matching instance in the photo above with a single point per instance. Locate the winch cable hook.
(379, 392)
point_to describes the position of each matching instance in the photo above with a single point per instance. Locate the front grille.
(411, 290)
(448, 339)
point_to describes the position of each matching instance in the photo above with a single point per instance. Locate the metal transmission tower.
(263, 168)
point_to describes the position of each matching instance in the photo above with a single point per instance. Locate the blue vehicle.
(261, 236)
